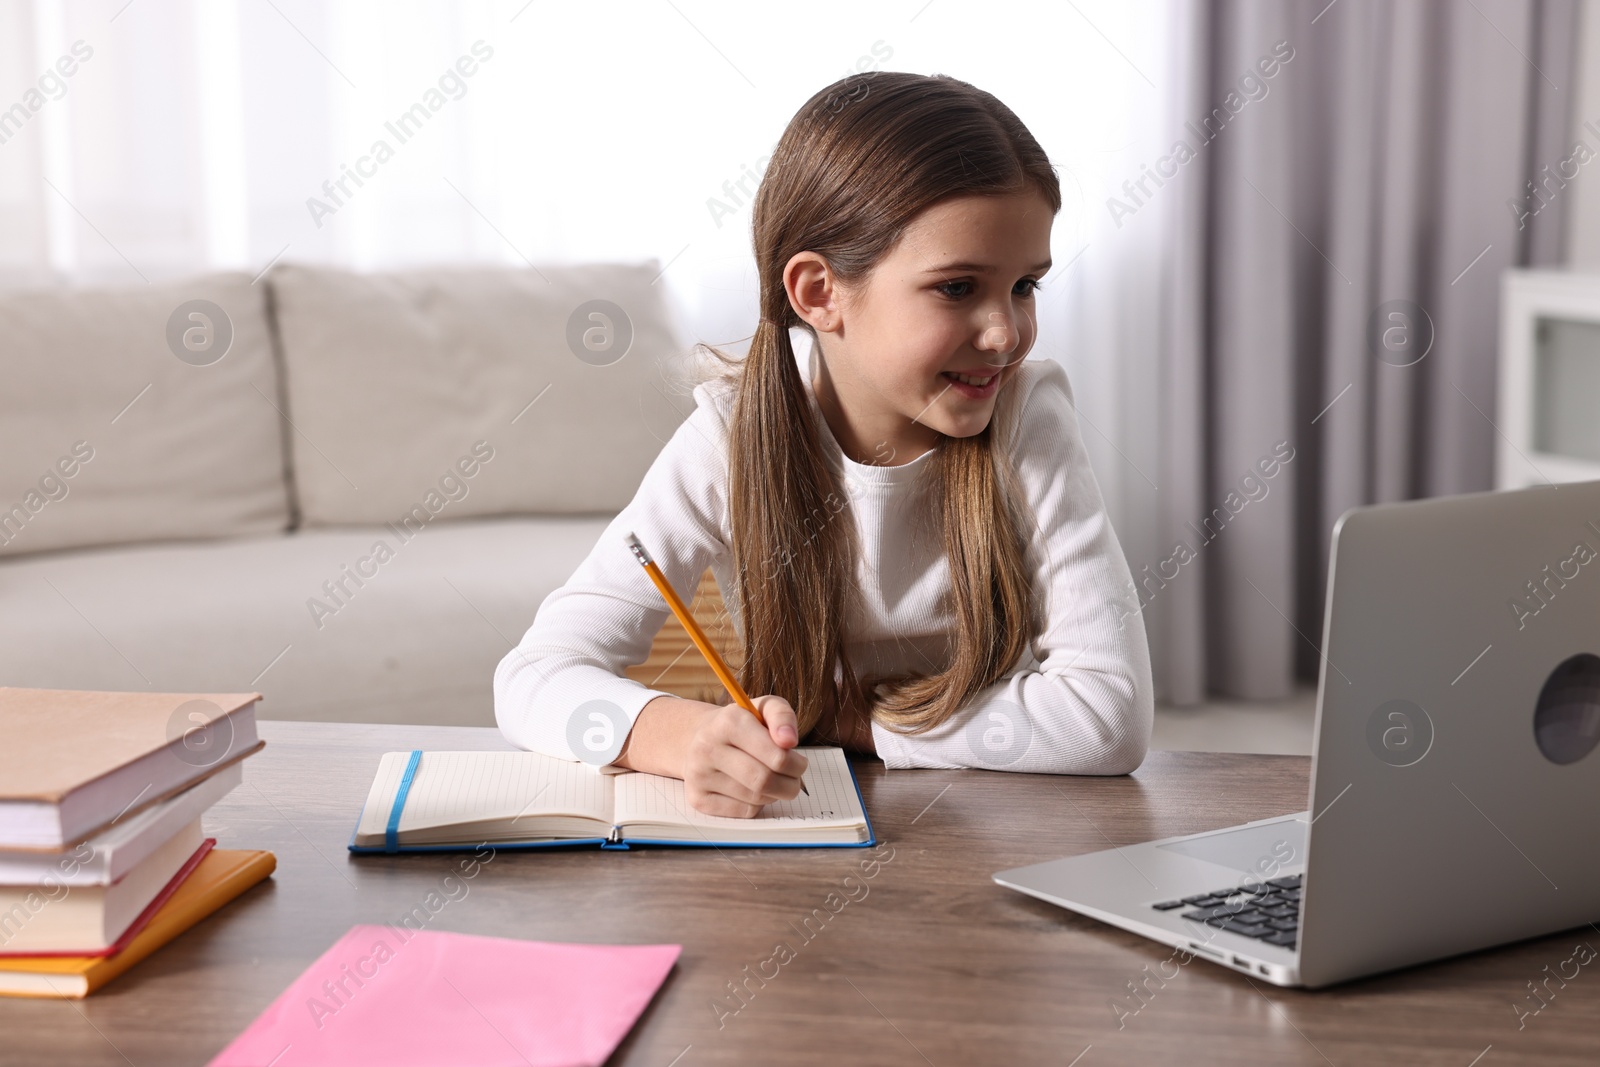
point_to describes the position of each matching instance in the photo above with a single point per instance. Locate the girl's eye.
(1032, 284)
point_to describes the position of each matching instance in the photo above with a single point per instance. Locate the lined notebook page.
(451, 788)
(642, 798)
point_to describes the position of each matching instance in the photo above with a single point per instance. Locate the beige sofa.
(349, 492)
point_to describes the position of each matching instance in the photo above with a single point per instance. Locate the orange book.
(222, 875)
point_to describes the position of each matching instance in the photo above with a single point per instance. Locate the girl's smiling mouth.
(973, 385)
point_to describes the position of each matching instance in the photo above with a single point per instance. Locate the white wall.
(1583, 210)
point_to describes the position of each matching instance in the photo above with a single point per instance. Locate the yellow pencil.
(709, 651)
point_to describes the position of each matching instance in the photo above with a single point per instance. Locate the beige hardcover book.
(75, 761)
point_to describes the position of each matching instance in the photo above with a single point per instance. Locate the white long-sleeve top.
(1082, 705)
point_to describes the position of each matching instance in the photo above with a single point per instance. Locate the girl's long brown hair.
(858, 162)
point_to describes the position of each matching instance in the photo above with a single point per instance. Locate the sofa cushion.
(123, 419)
(556, 387)
(416, 641)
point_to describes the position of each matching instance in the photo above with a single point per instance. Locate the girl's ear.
(813, 291)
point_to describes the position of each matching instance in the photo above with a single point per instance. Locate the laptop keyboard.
(1269, 911)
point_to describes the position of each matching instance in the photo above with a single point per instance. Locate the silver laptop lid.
(1455, 783)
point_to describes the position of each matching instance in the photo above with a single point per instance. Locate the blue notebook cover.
(391, 845)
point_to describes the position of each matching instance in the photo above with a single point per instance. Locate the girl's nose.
(1001, 334)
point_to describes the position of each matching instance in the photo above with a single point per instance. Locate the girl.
(912, 546)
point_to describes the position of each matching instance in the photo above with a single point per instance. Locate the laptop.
(1455, 787)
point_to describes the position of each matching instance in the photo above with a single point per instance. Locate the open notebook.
(444, 800)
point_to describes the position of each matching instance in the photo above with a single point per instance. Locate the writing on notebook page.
(651, 798)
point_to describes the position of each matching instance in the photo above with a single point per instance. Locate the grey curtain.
(1333, 294)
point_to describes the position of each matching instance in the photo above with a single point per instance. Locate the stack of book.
(103, 858)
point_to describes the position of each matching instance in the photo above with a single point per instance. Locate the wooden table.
(925, 962)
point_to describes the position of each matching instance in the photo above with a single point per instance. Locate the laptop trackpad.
(1249, 849)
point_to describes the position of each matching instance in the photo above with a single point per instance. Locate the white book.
(463, 799)
(112, 853)
(89, 918)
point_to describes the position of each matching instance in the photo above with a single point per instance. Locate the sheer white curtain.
(238, 133)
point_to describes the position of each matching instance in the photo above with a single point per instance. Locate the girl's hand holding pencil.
(736, 766)
(733, 759)
(730, 763)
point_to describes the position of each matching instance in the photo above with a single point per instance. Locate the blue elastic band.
(390, 843)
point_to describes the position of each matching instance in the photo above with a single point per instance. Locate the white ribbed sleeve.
(586, 633)
(1083, 705)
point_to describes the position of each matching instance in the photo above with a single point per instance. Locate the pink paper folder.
(397, 997)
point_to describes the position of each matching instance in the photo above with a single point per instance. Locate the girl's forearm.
(659, 740)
